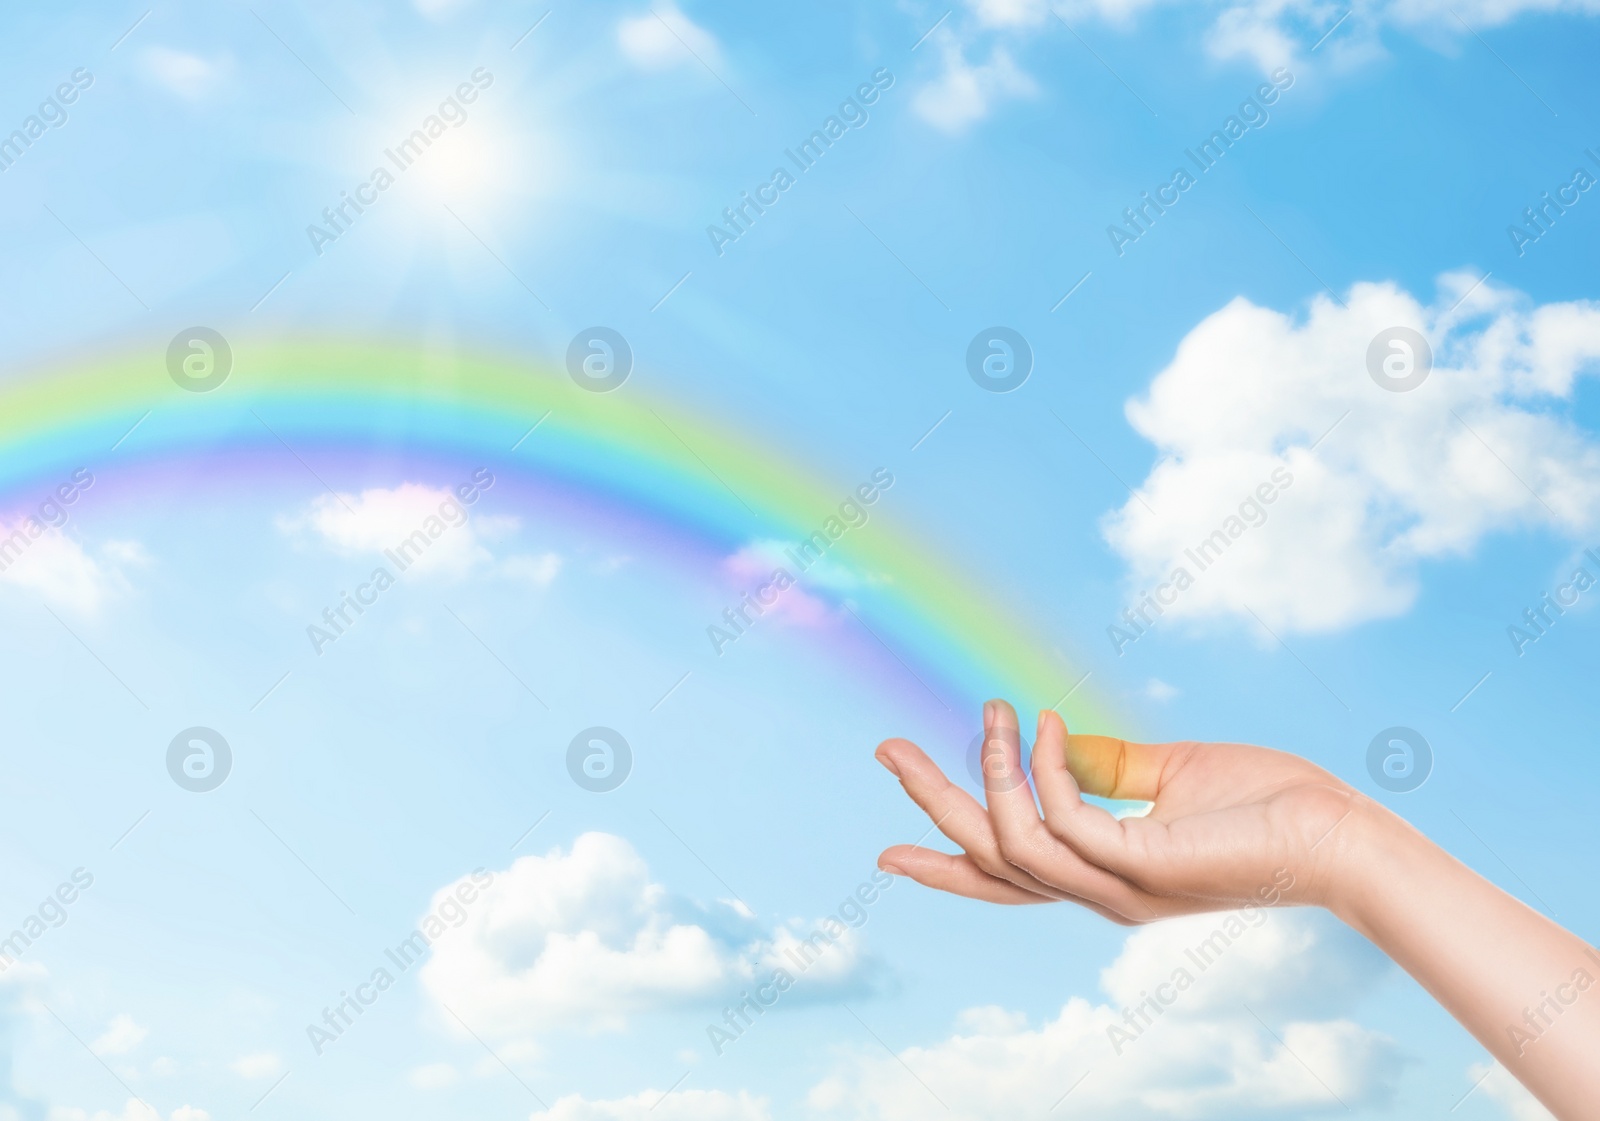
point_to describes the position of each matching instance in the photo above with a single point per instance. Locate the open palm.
(1230, 825)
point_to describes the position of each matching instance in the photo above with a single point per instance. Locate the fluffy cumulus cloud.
(419, 529)
(120, 1037)
(664, 37)
(966, 92)
(583, 939)
(653, 1105)
(53, 565)
(430, 524)
(774, 581)
(1179, 1037)
(45, 561)
(1293, 488)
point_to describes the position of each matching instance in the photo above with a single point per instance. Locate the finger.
(955, 813)
(960, 875)
(1090, 831)
(1013, 814)
(957, 875)
(1021, 833)
(1115, 768)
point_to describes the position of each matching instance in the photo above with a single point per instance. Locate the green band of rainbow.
(669, 466)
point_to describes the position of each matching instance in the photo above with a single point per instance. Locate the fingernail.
(892, 869)
(988, 714)
(1038, 729)
(889, 765)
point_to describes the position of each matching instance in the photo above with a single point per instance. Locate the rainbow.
(674, 472)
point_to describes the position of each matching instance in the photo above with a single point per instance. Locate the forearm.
(1525, 987)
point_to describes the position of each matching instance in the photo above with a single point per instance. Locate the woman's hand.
(1230, 825)
(1234, 825)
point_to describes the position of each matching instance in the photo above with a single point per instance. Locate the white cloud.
(263, 1064)
(426, 526)
(433, 1076)
(187, 75)
(1478, 448)
(121, 1037)
(678, 1105)
(1272, 33)
(665, 37)
(753, 571)
(1496, 1081)
(1159, 691)
(1285, 963)
(133, 1110)
(583, 939)
(47, 561)
(1203, 1056)
(964, 93)
(1010, 13)
(762, 557)
(1019, 14)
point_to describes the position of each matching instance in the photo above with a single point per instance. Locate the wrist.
(1376, 854)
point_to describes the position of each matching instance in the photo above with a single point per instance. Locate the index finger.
(1116, 768)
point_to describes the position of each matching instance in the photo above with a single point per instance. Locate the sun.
(467, 150)
(474, 164)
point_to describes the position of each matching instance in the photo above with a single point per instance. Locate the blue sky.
(1376, 191)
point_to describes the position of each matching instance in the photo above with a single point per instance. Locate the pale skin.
(1229, 819)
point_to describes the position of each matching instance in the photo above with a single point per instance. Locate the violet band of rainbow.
(392, 406)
